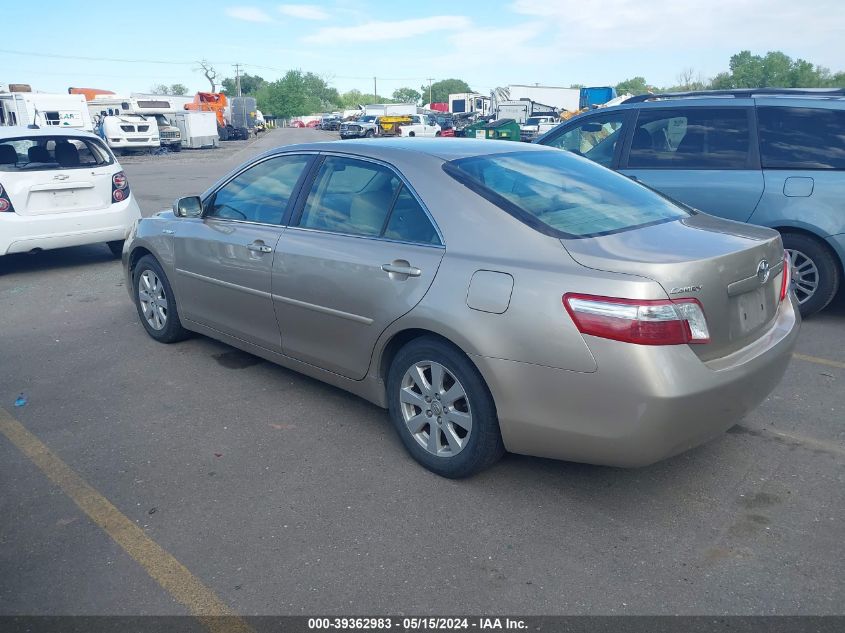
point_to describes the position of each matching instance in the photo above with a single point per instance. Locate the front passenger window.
(261, 193)
(595, 138)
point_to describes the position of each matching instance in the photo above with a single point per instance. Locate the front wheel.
(815, 272)
(369, 134)
(155, 302)
(442, 409)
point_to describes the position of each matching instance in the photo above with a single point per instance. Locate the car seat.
(66, 154)
(38, 154)
(8, 155)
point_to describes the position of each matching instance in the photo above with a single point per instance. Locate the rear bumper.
(21, 234)
(643, 404)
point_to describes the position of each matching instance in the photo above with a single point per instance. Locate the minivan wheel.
(442, 409)
(815, 273)
(155, 303)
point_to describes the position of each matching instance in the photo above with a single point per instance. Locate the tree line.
(299, 93)
(775, 69)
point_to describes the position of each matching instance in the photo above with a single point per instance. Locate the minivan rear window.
(562, 195)
(44, 153)
(801, 138)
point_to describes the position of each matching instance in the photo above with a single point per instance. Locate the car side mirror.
(188, 207)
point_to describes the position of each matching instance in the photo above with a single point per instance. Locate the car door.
(597, 137)
(802, 165)
(360, 252)
(703, 156)
(224, 259)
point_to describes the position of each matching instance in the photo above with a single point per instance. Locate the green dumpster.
(502, 129)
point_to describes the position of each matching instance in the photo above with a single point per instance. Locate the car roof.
(17, 131)
(446, 149)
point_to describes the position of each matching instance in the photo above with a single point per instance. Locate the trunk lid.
(60, 191)
(715, 261)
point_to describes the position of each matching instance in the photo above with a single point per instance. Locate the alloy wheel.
(153, 299)
(805, 275)
(435, 408)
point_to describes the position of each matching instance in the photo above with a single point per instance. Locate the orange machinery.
(210, 102)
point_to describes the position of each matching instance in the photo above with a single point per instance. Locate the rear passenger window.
(691, 138)
(261, 193)
(356, 197)
(801, 138)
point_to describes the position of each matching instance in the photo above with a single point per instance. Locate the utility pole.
(430, 79)
(375, 90)
(238, 77)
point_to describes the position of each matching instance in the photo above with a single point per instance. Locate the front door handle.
(401, 269)
(259, 247)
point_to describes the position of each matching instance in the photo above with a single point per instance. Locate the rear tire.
(432, 387)
(116, 247)
(815, 272)
(155, 302)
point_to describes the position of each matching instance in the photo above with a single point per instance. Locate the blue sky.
(551, 42)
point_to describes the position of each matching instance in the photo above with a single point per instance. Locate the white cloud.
(379, 31)
(601, 26)
(304, 11)
(249, 14)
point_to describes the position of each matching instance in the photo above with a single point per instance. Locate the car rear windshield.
(562, 195)
(43, 153)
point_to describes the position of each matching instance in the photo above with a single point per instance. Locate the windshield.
(534, 120)
(367, 119)
(42, 153)
(562, 195)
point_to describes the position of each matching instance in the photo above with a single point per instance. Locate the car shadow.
(55, 259)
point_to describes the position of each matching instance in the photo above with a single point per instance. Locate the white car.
(421, 125)
(61, 187)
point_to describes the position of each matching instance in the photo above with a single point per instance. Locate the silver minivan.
(773, 157)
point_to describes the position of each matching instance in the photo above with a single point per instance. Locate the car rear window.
(562, 195)
(44, 153)
(801, 138)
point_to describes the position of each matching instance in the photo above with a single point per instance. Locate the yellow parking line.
(819, 361)
(162, 567)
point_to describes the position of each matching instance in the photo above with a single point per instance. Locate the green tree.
(635, 85)
(775, 69)
(354, 98)
(290, 96)
(407, 95)
(250, 85)
(440, 90)
(178, 89)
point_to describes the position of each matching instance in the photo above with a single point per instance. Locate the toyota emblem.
(763, 271)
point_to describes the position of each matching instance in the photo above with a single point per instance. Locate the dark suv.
(774, 157)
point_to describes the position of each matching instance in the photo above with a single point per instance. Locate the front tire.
(815, 272)
(155, 302)
(442, 409)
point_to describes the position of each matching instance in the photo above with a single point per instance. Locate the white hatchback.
(61, 187)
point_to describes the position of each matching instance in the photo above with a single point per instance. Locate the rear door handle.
(397, 269)
(259, 247)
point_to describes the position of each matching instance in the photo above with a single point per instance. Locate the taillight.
(5, 203)
(119, 187)
(640, 321)
(786, 277)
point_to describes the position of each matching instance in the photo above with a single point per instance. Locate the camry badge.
(684, 290)
(763, 271)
